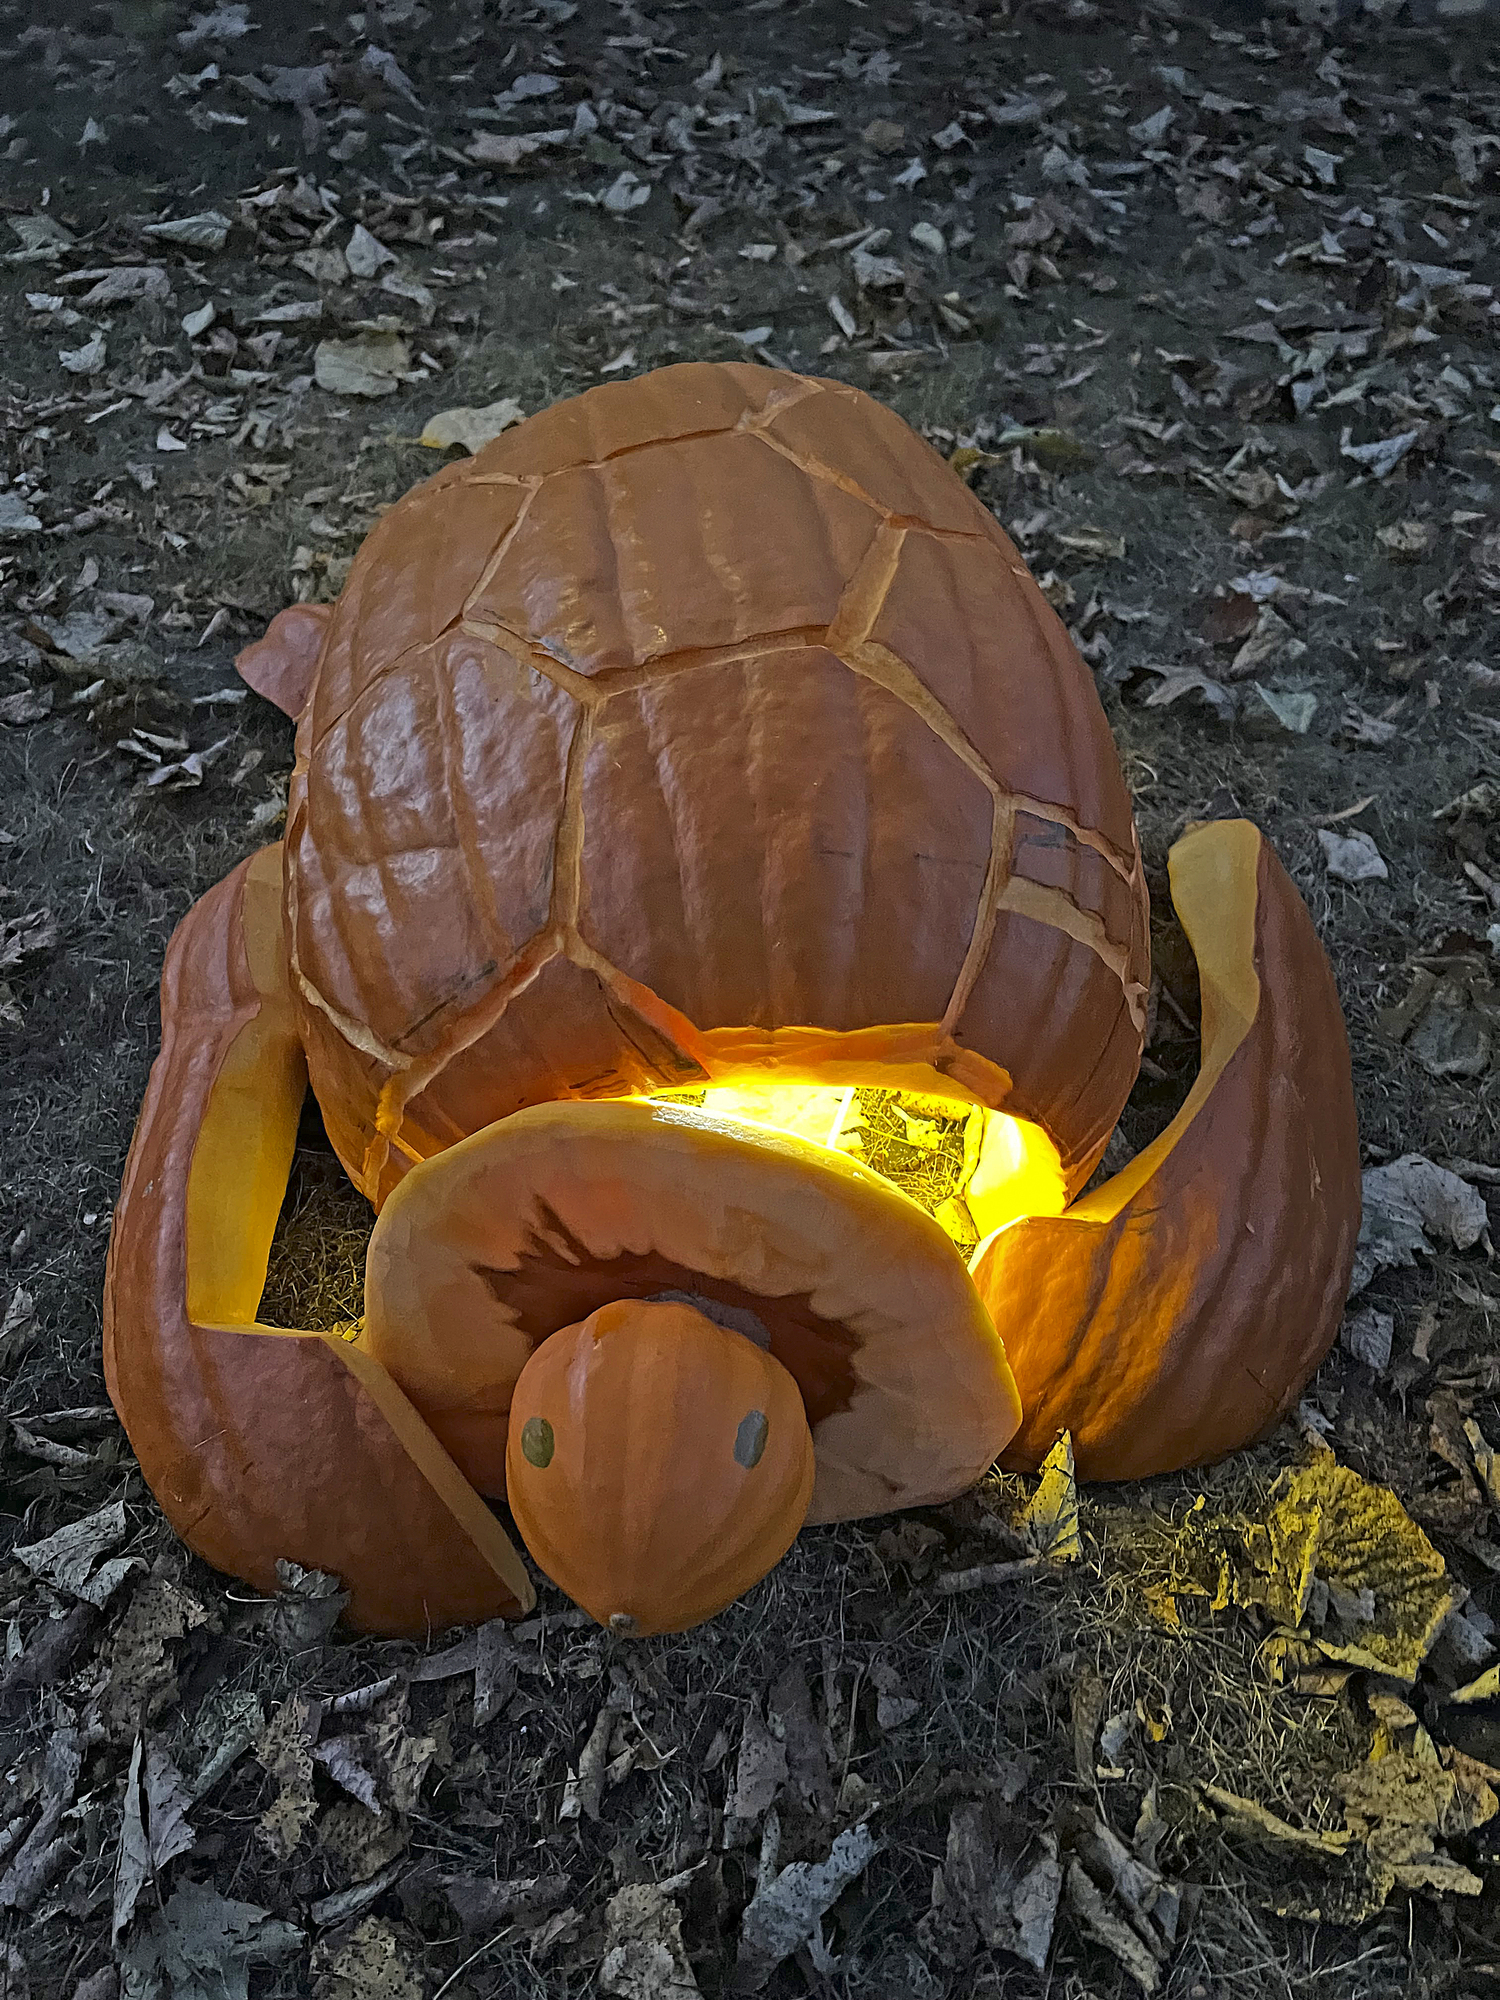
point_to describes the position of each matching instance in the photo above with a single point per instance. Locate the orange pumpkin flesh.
(658, 1464)
(1176, 1314)
(261, 1442)
(484, 1252)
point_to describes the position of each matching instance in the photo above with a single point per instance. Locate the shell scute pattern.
(787, 721)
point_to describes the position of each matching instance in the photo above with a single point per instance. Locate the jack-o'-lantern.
(687, 783)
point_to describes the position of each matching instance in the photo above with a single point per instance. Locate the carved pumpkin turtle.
(704, 735)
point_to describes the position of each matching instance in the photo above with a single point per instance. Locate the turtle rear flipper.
(281, 664)
(1176, 1314)
(264, 1442)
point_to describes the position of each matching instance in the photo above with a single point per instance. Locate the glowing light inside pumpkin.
(972, 1169)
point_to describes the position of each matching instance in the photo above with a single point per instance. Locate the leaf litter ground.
(1205, 311)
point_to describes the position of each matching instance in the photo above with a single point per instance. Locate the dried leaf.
(1485, 1688)
(154, 1829)
(1367, 1335)
(306, 1608)
(1352, 857)
(483, 1905)
(1086, 1702)
(1406, 1201)
(626, 193)
(138, 1675)
(1294, 709)
(1407, 541)
(67, 1559)
(893, 1704)
(585, 1786)
(1175, 681)
(644, 1957)
(1252, 1822)
(1408, 1794)
(203, 1944)
(761, 1770)
(371, 364)
(86, 360)
(1100, 1923)
(804, 1740)
(365, 254)
(1327, 1524)
(787, 1913)
(472, 428)
(1381, 457)
(342, 1758)
(284, 1750)
(1049, 1519)
(373, 1963)
(207, 230)
(16, 517)
(985, 1895)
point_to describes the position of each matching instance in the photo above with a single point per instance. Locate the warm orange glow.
(973, 1169)
(1018, 1173)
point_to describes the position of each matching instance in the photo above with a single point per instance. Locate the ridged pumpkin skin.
(658, 1464)
(703, 721)
(1176, 1314)
(261, 1442)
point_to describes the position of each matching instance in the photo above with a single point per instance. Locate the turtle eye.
(750, 1438)
(538, 1442)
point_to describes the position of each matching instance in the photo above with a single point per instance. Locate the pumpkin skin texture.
(602, 787)
(261, 1442)
(542, 1219)
(1176, 1314)
(658, 1464)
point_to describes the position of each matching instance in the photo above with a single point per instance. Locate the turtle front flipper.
(261, 1442)
(1175, 1314)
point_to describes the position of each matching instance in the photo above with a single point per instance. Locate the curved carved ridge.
(812, 468)
(590, 690)
(502, 547)
(381, 674)
(749, 420)
(526, 652)
(475, 1021)
(1129, 868)
(849, 637)
(357, 1036)
(567, 845)
(815, 468)
(780, 401)
(1002, 837)
(1044, 904)
(877, 663)
(863, 596)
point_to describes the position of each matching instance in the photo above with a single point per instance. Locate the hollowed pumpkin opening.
(972, 1169)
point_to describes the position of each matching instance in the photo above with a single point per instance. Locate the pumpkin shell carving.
(704, 722)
